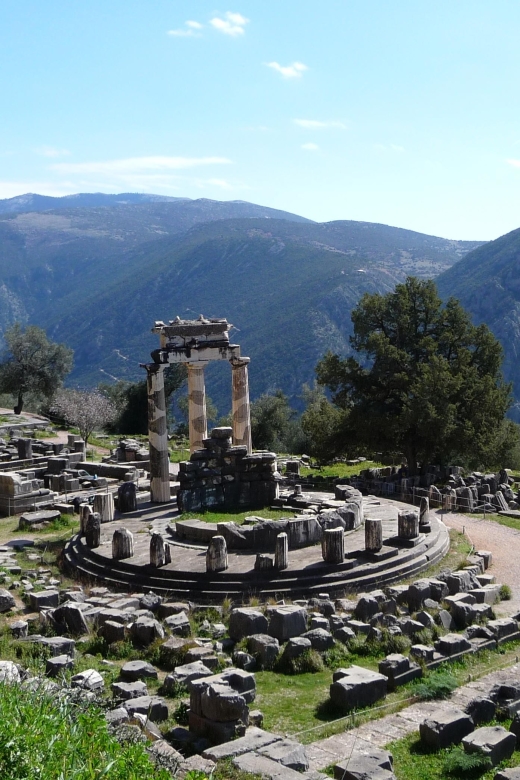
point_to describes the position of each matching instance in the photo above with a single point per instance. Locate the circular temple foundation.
(306, 574)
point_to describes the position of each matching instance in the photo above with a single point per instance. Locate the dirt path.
(503, 542)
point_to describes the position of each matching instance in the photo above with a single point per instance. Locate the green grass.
(510, 522)
(48, 738)
(236, 517)
(339, 469)
(414, 761)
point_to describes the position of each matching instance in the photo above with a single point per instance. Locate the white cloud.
(191, 31)
(51, 151)
(514, 163)
(10, 189)
(315, 124)
(233, 24)
(310, 147)
(137, 164)
(293, 71)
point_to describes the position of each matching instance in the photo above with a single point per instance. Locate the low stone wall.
(113, 470)
(221, 475)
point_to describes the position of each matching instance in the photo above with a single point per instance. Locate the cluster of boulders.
(130, 450)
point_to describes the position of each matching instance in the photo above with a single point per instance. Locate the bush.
(505, 593)
(47, 738)
(337, 656)
(309, 661)
(438, 685)
(458, 763)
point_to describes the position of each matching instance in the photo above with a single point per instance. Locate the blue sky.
(404, 113)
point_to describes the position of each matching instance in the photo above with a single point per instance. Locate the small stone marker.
(122, 544)
(373, 534)
(281, 552)
(127, 497)
(407, 524)
(333, 545)
(85, 510)
(216, 555)
(157, 551)
(424, 511)
(93, 531)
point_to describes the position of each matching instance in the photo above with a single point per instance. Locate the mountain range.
(96, 271)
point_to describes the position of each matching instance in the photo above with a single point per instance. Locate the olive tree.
(32, 364)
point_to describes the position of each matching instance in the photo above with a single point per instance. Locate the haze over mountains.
(96, 271)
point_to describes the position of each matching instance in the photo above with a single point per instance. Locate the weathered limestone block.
(128, 690)
(364, 764)
(245, 621)
(444, 727)
(220, 702)
(333, 545)
(264, 648)
(492, 741)
(452, 644)
(373, 534)
(122, 544)
(19, 629)
(407, 524)
(157, 550)
(296, 647)
(184, 674)
(481, 710)
(288, 753)
(127, 497)
(24, 447)
(254, 739)
(263, 562)
(85, 510)
(179, 624)
(216, 555)
(89, 680)
(320, 639)
(146, 630)
(138, 670)
(7, 601)
(154, 707)
(287, 622)
(104, 506)
(281, 553)
(55, 666)
(112, 631)
(399, 670)
(356, 687)
(424, 511)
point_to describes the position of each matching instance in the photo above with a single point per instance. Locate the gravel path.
(503, 543)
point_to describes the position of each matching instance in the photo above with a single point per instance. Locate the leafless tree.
(88, 410)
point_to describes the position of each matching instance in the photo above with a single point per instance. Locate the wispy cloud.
(293, 71)
(51, 151)
(310, 147)
(514, 163)
(232, 24)
(137, 164)
(10, 189)
(315, 124)
(191, 30)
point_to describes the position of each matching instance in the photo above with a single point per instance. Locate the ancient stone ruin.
(194, 343)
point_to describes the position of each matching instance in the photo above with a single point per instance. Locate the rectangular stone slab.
(256, 764)
(253, 740)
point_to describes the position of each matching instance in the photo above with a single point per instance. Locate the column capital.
(153, 368)
(239, 362)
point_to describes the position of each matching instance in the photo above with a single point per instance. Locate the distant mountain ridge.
(487, 283)
(33, 202)
(97, 277)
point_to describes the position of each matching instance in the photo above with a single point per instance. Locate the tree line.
(421, 384)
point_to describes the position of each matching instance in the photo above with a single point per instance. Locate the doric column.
(240, 403)
(197, 405)
(158, 434)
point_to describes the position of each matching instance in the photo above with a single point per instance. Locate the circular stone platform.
(307, 574)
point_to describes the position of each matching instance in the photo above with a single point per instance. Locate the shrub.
(505, 593)
(309, 661)
(337, 656)
(458, 763)
(438, 685)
